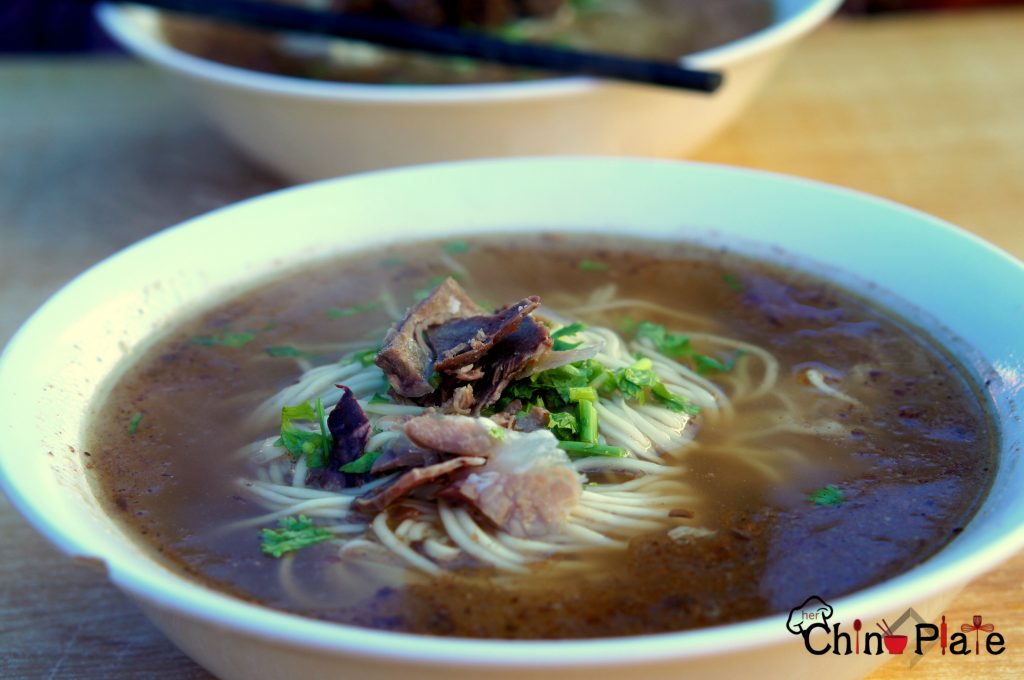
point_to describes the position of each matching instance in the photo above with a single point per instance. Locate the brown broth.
(913, 465)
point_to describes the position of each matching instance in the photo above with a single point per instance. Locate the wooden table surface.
(926, 110)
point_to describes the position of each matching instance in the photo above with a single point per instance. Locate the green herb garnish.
(592, 266)
(584, 450)
(458, 246)
(561, 345)
(734, 283)
(362, 464)
(379, 398)
(677, 346)
(706, 364)
(672, 345)
(366, 357)
(345, 312)
(284, 351)
(315, 446)
(295, 533)
(227, 339)
(586, 416)
(133, 424)
(830, 496)
(563, 425)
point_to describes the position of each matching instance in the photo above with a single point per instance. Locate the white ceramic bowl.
(967, 293)
(309, 130)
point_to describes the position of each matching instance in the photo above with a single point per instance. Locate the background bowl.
(307, 129)
(967, 293)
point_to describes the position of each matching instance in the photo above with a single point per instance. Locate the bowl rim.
(116, 19)
(174, 592)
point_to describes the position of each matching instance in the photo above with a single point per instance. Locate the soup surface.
(656, 29)
(868, 453)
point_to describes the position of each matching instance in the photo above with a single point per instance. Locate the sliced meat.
(406, 358)
(528, 486)
(350, 429)
(507, 417)
(462, 400)
(402, 453)
(461, 342)
(458, 435)
(381, 497)
(536, 418)
(525, 345)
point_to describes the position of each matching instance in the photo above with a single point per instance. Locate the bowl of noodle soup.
(669, 405)
(305, 126)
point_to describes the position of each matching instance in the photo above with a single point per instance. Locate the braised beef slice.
(519, 348)
(402, 453)
(537, 418)
(458, 435)
(507, 418)
(350, 430)
(406, 357)
(381, 497)
(462, 400)
(462, 342)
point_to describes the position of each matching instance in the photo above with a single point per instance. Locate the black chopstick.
(445, 41)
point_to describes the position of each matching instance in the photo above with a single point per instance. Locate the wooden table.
(926, 110)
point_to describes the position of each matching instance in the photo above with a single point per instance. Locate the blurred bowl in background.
(308, 129)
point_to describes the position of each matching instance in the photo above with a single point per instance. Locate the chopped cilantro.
(592, 266)
(734, 283)
(563, 425)
(561, 345)
(672, 345)
(295, 533)
(677, 346)
(227, 339)
(458, 246)
(366, 357)
(315, 446)
(284, 351)
(362, 464)
(673, 401)
(379, 398)
(706, 364)
(829, 496)
(434, 380)
(133, 424)
(237, 339)
(345, 312)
